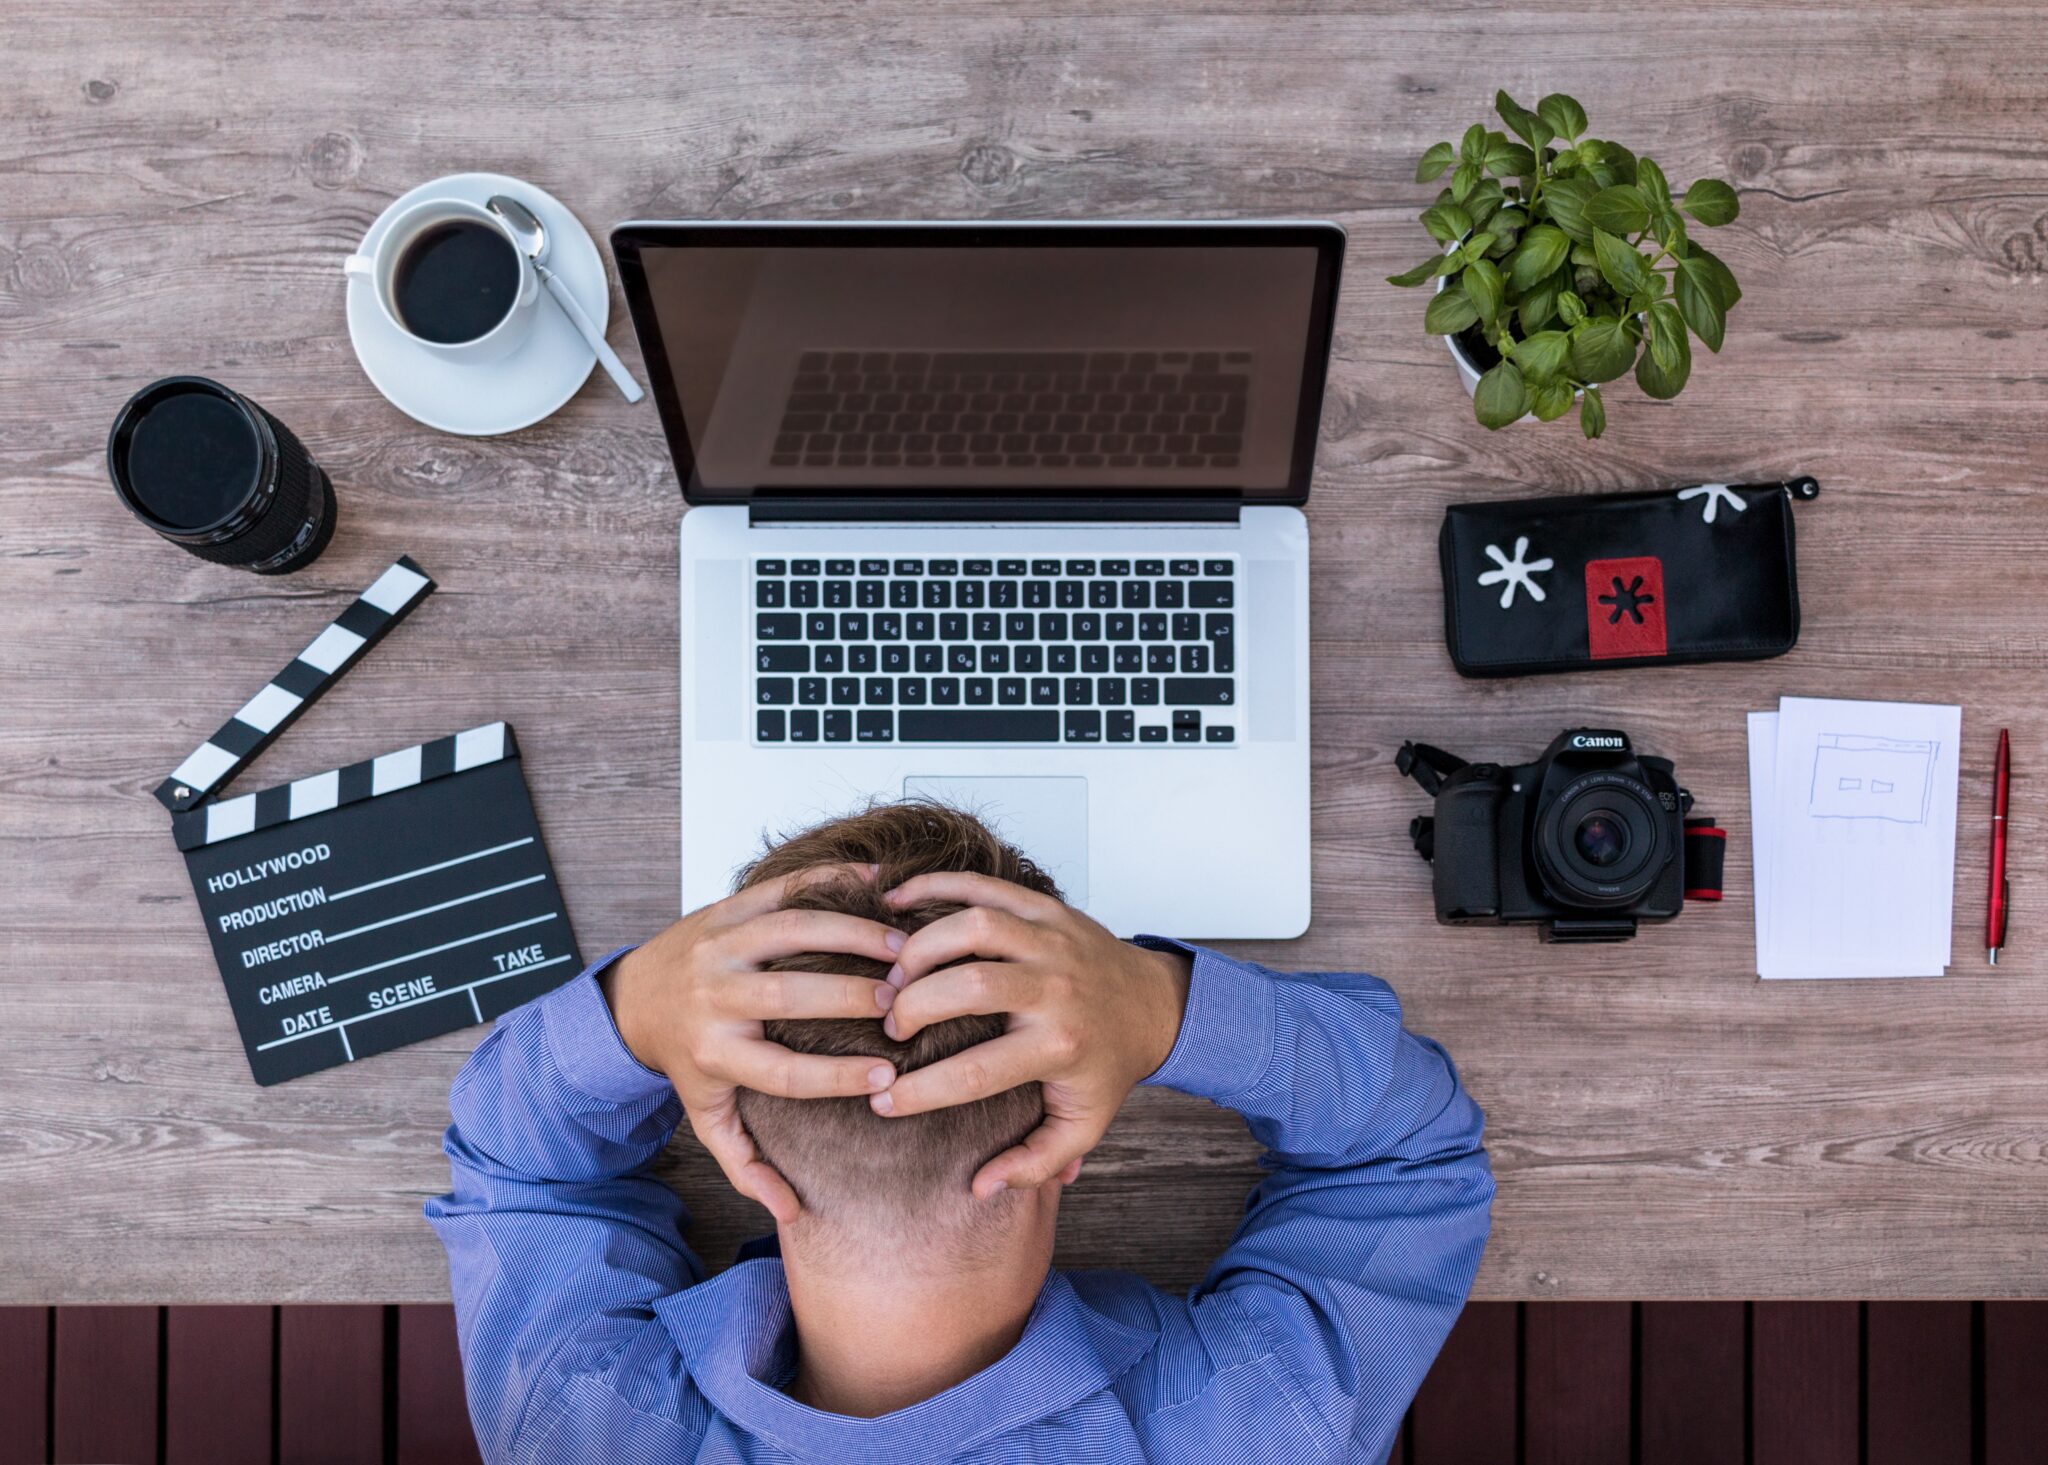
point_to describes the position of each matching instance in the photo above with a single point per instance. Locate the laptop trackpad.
(1046, 818)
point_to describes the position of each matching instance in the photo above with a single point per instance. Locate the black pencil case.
(1703, 573)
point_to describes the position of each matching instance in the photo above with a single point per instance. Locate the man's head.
(855, 1171)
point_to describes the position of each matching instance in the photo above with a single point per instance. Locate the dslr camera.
(1587, 841)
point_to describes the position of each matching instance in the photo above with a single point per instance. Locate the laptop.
(1006, 515)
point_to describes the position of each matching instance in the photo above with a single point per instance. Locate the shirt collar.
(738, 1338)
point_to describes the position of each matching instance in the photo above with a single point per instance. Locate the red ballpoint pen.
(1996, 911)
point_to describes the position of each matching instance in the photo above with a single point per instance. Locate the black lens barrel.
(279, 522)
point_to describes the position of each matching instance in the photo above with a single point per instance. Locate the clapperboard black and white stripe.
(375, 905)
(267, 714)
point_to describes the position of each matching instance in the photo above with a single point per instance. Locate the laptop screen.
(1023, 358)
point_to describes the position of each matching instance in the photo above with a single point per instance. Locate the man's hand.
(1089, 1016)
(690, 1004)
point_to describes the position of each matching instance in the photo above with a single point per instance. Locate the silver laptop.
(1007, 515)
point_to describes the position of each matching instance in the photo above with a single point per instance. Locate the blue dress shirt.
(590, 1331)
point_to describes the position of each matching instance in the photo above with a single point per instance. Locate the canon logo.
(1583, 740)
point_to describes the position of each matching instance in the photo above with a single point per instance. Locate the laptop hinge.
(771, 506)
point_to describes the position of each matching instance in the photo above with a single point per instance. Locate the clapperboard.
(374, 905)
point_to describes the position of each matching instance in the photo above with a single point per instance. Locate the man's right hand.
(1089, 1016)
(690, 1004)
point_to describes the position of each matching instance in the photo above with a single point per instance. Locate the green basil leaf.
(1550, 400)
(1511, 160)
(1570, 309)
(1602, 349)
(1592, 413)
(1667, 331)
(1426, 270)
(1446, 222)
(1620, 161)
(1511, 217)
(1699, 301)
(1565, 200)
(1450, 311)
(1511, 113)
(1479, 242)
(1540, 135)
(1538, 307)
(1723, 279)
(1464, 180)
(1434, 162)
(1541, 251)
(1501, 397)
(1619, 210)
(1562, 113)
(1656, 188)
(1502, 247)
(1620, 264)
(1658, 381)
(1543, 355)
(1711, 201)
(1472, 149)
(1483, 284)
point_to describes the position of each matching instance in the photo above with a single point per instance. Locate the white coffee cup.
(380, 268)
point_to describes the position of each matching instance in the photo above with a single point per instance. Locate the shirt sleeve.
(558, 1239)
(1357, 1251)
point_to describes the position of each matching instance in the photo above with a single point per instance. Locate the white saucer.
(480, 399)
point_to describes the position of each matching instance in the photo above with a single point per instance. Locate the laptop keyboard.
(1015, 409)
(1028, 651)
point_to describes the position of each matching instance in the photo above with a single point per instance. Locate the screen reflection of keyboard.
(962, 650)
(1015, 409)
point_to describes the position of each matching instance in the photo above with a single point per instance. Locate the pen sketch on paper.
(1861, 777)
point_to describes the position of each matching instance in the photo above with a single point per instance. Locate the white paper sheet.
(1854, 820)
(1763, 823)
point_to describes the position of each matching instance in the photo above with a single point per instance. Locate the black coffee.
(455, 281)
(192, 458)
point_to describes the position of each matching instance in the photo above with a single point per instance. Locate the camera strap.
(1426, 765)
(1705, 849)
(1429, 767)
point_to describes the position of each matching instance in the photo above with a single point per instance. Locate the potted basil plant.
(1564, 262)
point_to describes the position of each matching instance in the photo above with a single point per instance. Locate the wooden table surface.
(178, 188)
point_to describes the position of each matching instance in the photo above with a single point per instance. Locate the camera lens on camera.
(1601, 843)
(1601, 839)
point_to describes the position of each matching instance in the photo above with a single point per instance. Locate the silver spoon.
(533, 238)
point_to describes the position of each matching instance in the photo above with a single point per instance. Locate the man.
(899, 1040)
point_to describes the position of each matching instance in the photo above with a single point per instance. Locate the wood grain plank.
(1577, 1384)
(104, 1404)
(24, 1385)
(1738, 1144)
(2015, 1382)
(1806, 1401)
(433, 1416)
(1694, 1389)
(218, 1369)
(330, 1383)
(1466, 1410)
(1917, 1404)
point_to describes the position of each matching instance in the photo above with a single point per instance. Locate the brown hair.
(850, 1166)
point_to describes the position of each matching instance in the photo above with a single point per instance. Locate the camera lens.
(215, 474)
(1601, 843)
(1601, 839)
